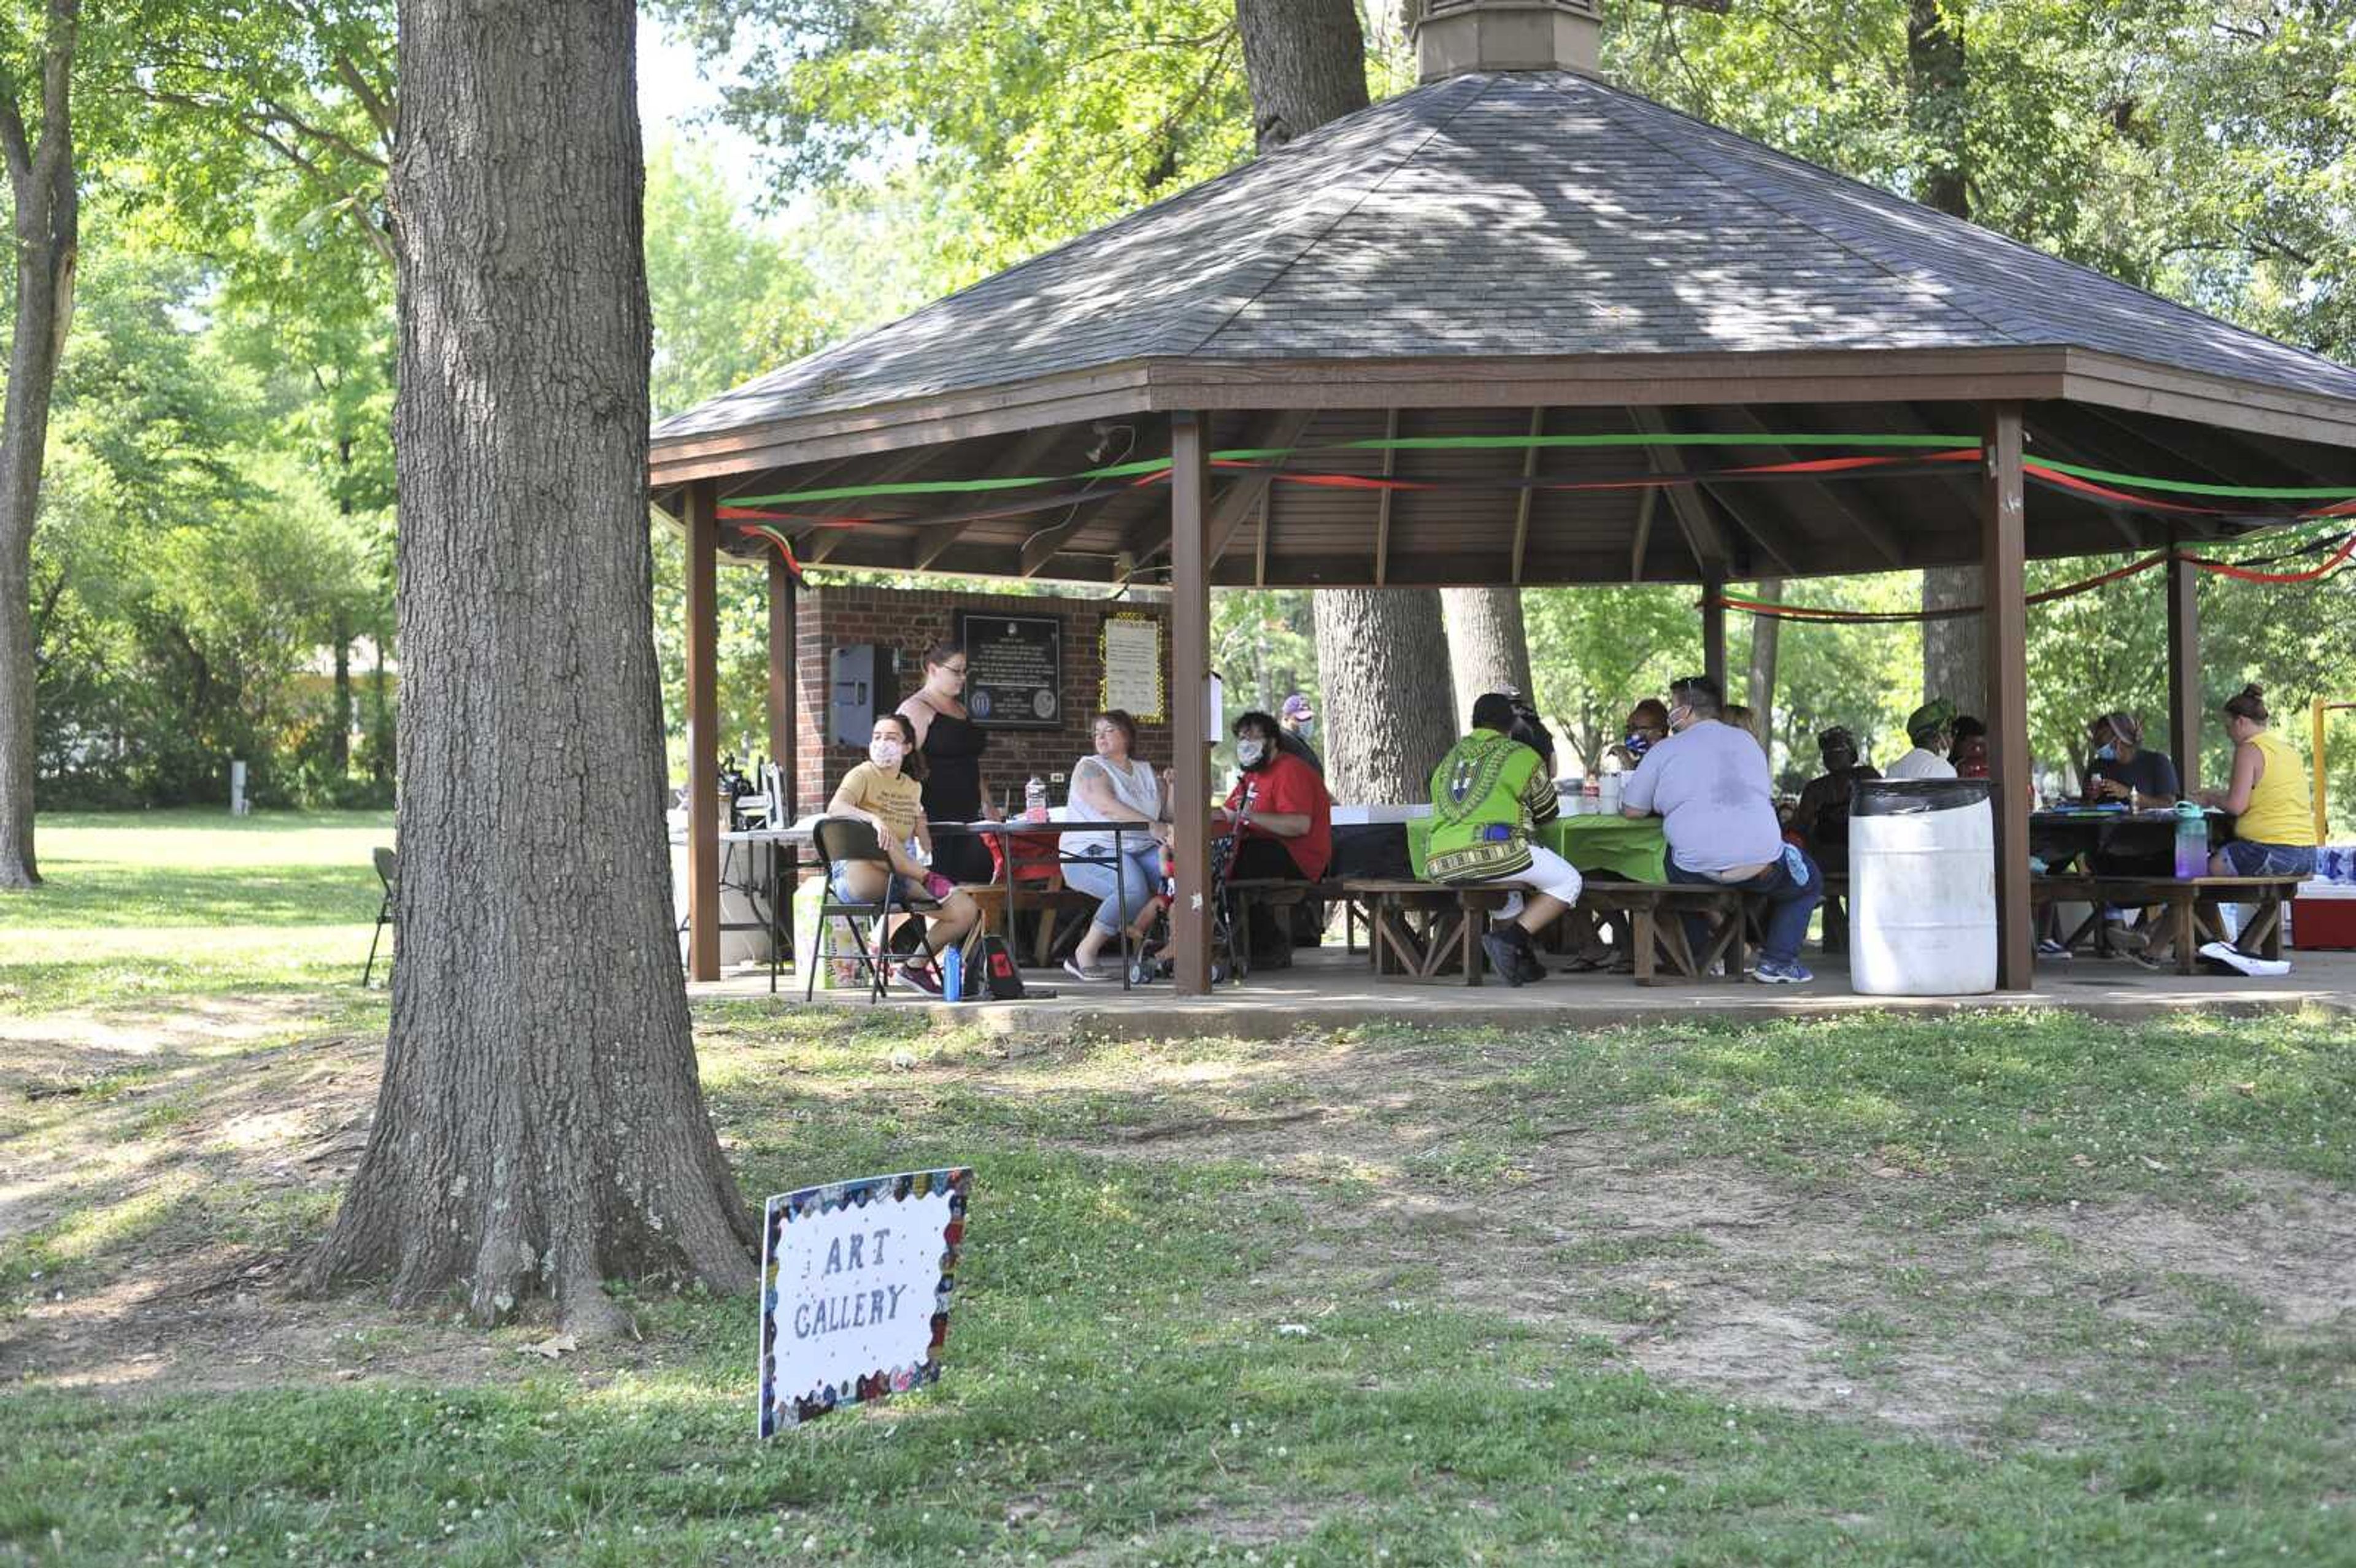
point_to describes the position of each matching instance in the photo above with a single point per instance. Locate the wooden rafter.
(1522, 502)
(1383, 500)
(1017, 458)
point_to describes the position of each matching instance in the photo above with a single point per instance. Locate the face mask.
(1250, 753)
(1305, 728)
(2106, 752)
(1679, 719)
(1636, 743)
(885, 753)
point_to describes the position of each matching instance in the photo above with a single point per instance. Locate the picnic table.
(2063, 836)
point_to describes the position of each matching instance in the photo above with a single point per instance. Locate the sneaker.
(1506, 958)
(1088, 972)
(2049, 948)
(1532, 970)
(921, 977)
(2125, 938)
(1775, 972)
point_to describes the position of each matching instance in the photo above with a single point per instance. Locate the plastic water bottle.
(1034, 799)
(1608, 798)
(2191, 840)
(953, 973)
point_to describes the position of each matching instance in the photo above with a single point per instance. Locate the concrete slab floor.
(1327, 988)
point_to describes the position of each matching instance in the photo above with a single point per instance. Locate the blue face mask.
(2106, 752)
(1637, 744)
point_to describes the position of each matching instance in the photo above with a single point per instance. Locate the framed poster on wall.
(1014, 677)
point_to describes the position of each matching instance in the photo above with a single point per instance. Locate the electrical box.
(865, 687)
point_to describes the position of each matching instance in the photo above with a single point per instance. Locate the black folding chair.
(846, 839)
(388, 871)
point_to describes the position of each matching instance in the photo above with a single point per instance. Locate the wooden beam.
(2184, 705)
(1190, 664)
(1236, 501)
(1704, 535)
(1283, 428)
(785, 682)
(1383, 500)
(1259, 543)
(899, 466)
(1713, 628)
(2003, 624)
(1019, 458)
(1875, 531)
(1646, 504)
(702, 546)
(1522, 502)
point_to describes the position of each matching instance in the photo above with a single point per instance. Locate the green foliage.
(1049, 116)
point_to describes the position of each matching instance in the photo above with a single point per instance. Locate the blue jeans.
(2253, 859)
(1126, 885)
(1789, 904)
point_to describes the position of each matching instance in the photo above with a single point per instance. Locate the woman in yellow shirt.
(2273, 834)
(885, 791)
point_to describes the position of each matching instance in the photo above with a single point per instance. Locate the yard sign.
(855, 1282)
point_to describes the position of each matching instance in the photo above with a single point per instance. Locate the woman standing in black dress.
(952, 745)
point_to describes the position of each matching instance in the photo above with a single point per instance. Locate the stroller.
(1156, 957)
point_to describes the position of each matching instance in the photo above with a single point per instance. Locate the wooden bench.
(1431, 931)
(2189, 917)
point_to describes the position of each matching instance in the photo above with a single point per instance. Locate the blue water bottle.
(2191, 840)
(953, 973)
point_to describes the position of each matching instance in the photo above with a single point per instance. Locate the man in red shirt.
(1288, 817)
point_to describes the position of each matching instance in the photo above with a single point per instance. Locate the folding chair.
(388, 871)
(840, 838)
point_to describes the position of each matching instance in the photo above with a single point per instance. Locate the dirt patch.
(1705, 1274)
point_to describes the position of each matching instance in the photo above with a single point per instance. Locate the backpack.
(993, 973)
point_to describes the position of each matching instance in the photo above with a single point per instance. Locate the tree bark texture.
(1766, 633)
(1382, 660)
(540, 1127)
(1307, 64)
(1488, 647)
(1937, 79)
(48, 232)
(1382, 653)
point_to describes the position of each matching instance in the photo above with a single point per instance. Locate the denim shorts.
(2253, 859)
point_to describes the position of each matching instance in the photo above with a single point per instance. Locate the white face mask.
(1680, 719)
(1250, 753)
(885, 753)
(1305, 728)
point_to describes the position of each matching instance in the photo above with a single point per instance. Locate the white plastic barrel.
(1922, 888)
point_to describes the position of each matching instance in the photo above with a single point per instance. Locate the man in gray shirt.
(1709, 783)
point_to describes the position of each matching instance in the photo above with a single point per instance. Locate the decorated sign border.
(781, 1408)
(1158, 710)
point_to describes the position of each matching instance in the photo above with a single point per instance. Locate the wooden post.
(2184, 669)
(1190, 666)
(1713, 627)
(785, 683)
(702, 732)
(2003, 624)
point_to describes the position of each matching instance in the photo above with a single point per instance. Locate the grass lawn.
(1983, 1290)
(136, 907)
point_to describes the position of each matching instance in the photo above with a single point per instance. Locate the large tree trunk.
(1936, 110)
(1382, 654)
(540, 1127)
(48, 225)
(1488, 647)
(1307, 63)
(1766, 633)
(1382, 658)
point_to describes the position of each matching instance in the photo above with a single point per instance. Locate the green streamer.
(1139, 468)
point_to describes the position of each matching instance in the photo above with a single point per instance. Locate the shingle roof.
(1537, 214)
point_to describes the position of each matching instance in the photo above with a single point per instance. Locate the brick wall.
(910, 621)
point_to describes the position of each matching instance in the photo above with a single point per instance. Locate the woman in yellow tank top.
(2275, 836)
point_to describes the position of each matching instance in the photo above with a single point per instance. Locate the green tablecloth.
(1627, 846)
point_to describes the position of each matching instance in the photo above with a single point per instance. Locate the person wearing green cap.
(1932, 729)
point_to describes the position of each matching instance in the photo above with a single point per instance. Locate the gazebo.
(1515, 328)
